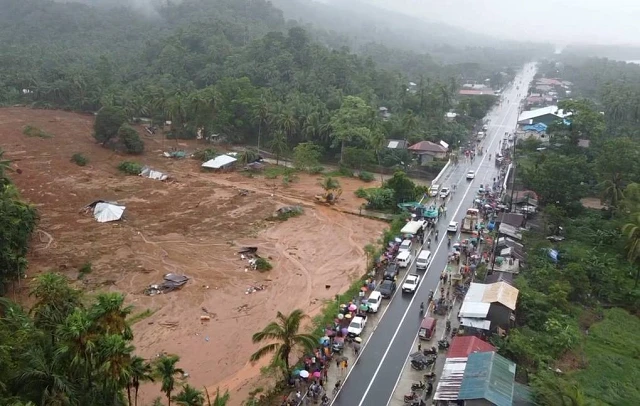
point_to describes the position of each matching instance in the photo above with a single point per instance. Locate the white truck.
(470, 220)
(411, 283)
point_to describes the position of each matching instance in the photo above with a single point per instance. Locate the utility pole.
(513, 166)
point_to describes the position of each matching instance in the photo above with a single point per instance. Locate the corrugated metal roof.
(475, 310)
(488, 376)
(522, 395)
(462, 346)
(501, 292)
(450, 379)
(475, 323)
(475, 292)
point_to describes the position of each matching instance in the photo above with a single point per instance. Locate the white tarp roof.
(411, 227)
(153, 174)
(476, 310)
(219, 162)
(451, 379)
(105, 212)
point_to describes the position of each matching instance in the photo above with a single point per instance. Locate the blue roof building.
(489, 380)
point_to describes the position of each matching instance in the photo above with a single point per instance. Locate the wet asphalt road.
(372, 380)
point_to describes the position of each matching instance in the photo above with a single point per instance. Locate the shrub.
(263, 265)
(85, 269)
(130, 168)
(79, 159)
(130, 139)
(366, 176)
(205, 154)
(361, 193)
(315, 170)
(31, 131)
(108, 123)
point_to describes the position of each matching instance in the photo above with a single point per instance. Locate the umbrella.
(364, 307)
(296, 372)
(324, 340)
(364, 289)
(342, 306)
(352, 307)
(347, 316)
(317, 374)
(340, 316)
(329, 333)
(345, 331)
(358, 340)
(304, 374)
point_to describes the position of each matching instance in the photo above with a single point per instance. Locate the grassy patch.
(79, 159)
(130, 168)
(134, 318)
(612, 353)
(287, 212)
(31, 131)
(273, 172)
(366, 176)
(342, 171)
(331, 308)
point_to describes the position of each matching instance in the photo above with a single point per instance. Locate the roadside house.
(427, 151)
(545, 115)
(488, 308)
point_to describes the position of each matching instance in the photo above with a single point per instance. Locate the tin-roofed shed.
(488, 380)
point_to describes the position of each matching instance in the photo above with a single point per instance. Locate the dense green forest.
(577, 325)
(229, 67)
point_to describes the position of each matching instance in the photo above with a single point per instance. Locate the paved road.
(372, 380)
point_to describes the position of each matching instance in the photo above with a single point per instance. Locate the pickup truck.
(356, 326)
(411, 283)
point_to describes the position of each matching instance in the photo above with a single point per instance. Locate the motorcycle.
(443, 344)
(421, 364)
(410, 397)
(430, 351)
(448, 326)
(430, 376)
(418, 386)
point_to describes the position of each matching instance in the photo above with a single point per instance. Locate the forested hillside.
(225, 66)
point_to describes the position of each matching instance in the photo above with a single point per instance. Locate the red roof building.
(462, 346)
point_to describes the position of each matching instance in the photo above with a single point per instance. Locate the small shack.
(221, 162)
(147, 172)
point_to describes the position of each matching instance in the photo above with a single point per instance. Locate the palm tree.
(115, 358)
(110, 315)
(631, 230)
(219, 400)
(189, 396)
(139, 371)
(55, 300)
(285, 332)
(612, 191)
(279, 145)
(166, 371)
(5, 166)
(409, 123)
(261, 114)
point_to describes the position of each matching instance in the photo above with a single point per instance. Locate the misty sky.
(592, 21)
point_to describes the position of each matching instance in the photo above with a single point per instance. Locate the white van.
(424, 258)
(404, 259)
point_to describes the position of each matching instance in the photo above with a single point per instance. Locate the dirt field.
(192, 226)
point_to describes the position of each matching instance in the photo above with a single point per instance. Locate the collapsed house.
(104, 211)
(147, 172)
(171, 282)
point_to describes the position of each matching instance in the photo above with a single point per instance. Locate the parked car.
(471, 175)
(411, 283)
(444, 192)
(453, 227)
(433, 190)
(405, 246)
(391, 272)
(356, 326)
(373, 301)
(387, 288)
(404, 259)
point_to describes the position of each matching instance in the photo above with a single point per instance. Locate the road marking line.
(417, 334)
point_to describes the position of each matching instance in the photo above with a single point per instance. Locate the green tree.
(350, 122)
(189, 396)
(617, 165)
(130, 139)
(108, 122)
(165, 369)
(139, 371)
(631, 231)
(284, 335)
(220, 399)
(404, 189)
(279, 145)
(306, 155)
(330, 184)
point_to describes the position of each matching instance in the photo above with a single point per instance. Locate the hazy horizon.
(592, 22)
